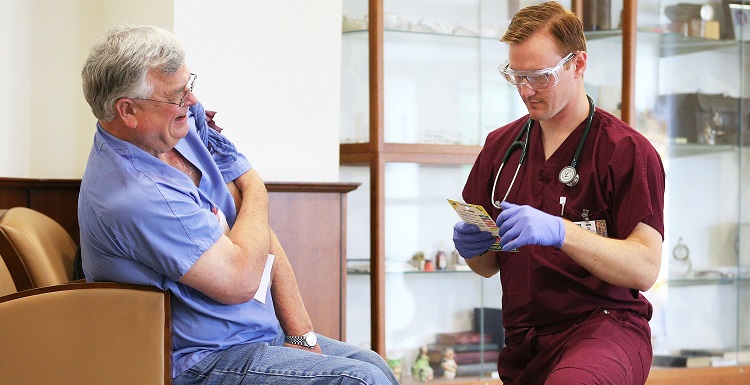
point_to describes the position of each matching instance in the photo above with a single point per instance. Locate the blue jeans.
(273, 363)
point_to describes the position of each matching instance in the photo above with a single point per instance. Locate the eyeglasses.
(189, 86)
(534, 79)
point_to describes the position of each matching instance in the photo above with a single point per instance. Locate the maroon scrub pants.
(608, 347)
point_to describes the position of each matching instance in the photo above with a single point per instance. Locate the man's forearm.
(485, 265)
(290, 309)
(633, 262)
(251, 228)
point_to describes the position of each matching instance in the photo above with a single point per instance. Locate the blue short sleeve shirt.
(143, 221)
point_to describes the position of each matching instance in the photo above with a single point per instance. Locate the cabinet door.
(440, 79)
(430, 293)
(692, 103)
(441, 95)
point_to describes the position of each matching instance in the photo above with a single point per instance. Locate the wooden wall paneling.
(309, 226)
(12, 197)
(56, 198)
(308, 219)
(60, 205)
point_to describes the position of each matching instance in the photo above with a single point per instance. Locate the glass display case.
(415, 111)
(420, 92)
(691, 86)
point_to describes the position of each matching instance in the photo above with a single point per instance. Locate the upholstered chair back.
(37, 250)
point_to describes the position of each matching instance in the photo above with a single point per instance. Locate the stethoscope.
(568, 175)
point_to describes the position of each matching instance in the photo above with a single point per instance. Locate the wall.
(271, 70)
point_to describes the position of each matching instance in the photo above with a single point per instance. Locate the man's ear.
(126, 110)
(580, 62)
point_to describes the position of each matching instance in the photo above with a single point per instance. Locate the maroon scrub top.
(621, 181)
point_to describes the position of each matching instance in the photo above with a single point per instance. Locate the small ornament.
(441, 260)
(422, 371)
(681, 266)
(448, 363)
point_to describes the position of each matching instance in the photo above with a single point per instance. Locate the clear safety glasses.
(534, 79)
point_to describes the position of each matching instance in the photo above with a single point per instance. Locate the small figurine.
(417, 260)
(448, 363)
(422, 371)
(395, 365)
(441, 260)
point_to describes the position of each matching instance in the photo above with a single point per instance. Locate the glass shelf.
(590, 35)
(415, 272)
(691, 149)
(672, 44)
(715, 280)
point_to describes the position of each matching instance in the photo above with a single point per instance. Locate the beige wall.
(272, 73)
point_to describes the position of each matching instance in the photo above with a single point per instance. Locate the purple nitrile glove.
(525, 225)
(470, 241)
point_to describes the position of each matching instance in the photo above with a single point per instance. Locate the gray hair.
(119, 61)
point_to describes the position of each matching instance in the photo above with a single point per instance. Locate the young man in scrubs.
(578, 251)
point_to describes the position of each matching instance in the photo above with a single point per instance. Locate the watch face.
(311, 339)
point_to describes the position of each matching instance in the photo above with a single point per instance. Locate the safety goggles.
(534, 79)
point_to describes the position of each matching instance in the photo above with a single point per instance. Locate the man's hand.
(525, 225)
(469, 241)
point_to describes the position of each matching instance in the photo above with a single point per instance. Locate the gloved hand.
(525, 225)
(469, 241)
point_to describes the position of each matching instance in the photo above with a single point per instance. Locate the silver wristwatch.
(308, 340)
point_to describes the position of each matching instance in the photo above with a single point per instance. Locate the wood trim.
(576, 6)
(412, 153)
(342, 270)
(377, 254)
(332, 187)
(730, 375)
(377, 177)
(49, 184)
(355, 148)
(629, 14)
(375, 40)
(431, 153)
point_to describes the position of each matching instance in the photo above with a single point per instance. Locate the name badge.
(598, 226)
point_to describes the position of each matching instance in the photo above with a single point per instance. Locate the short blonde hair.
(550, 18)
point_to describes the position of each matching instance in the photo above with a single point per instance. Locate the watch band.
(308, 340)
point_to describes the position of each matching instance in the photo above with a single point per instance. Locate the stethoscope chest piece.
(568, 176)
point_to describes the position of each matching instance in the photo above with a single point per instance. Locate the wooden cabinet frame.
(376, 153)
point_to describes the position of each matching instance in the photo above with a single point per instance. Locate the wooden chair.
(6, 281)
(37, 250)
(86, 333)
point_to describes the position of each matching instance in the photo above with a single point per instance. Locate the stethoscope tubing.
(524, 148)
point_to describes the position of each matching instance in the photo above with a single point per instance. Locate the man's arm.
(486, 264)
(633, 262)
(287, 300)
(290, 310)
(229, 271)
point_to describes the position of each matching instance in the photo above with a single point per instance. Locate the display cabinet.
(692, 69)
(420, 92)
